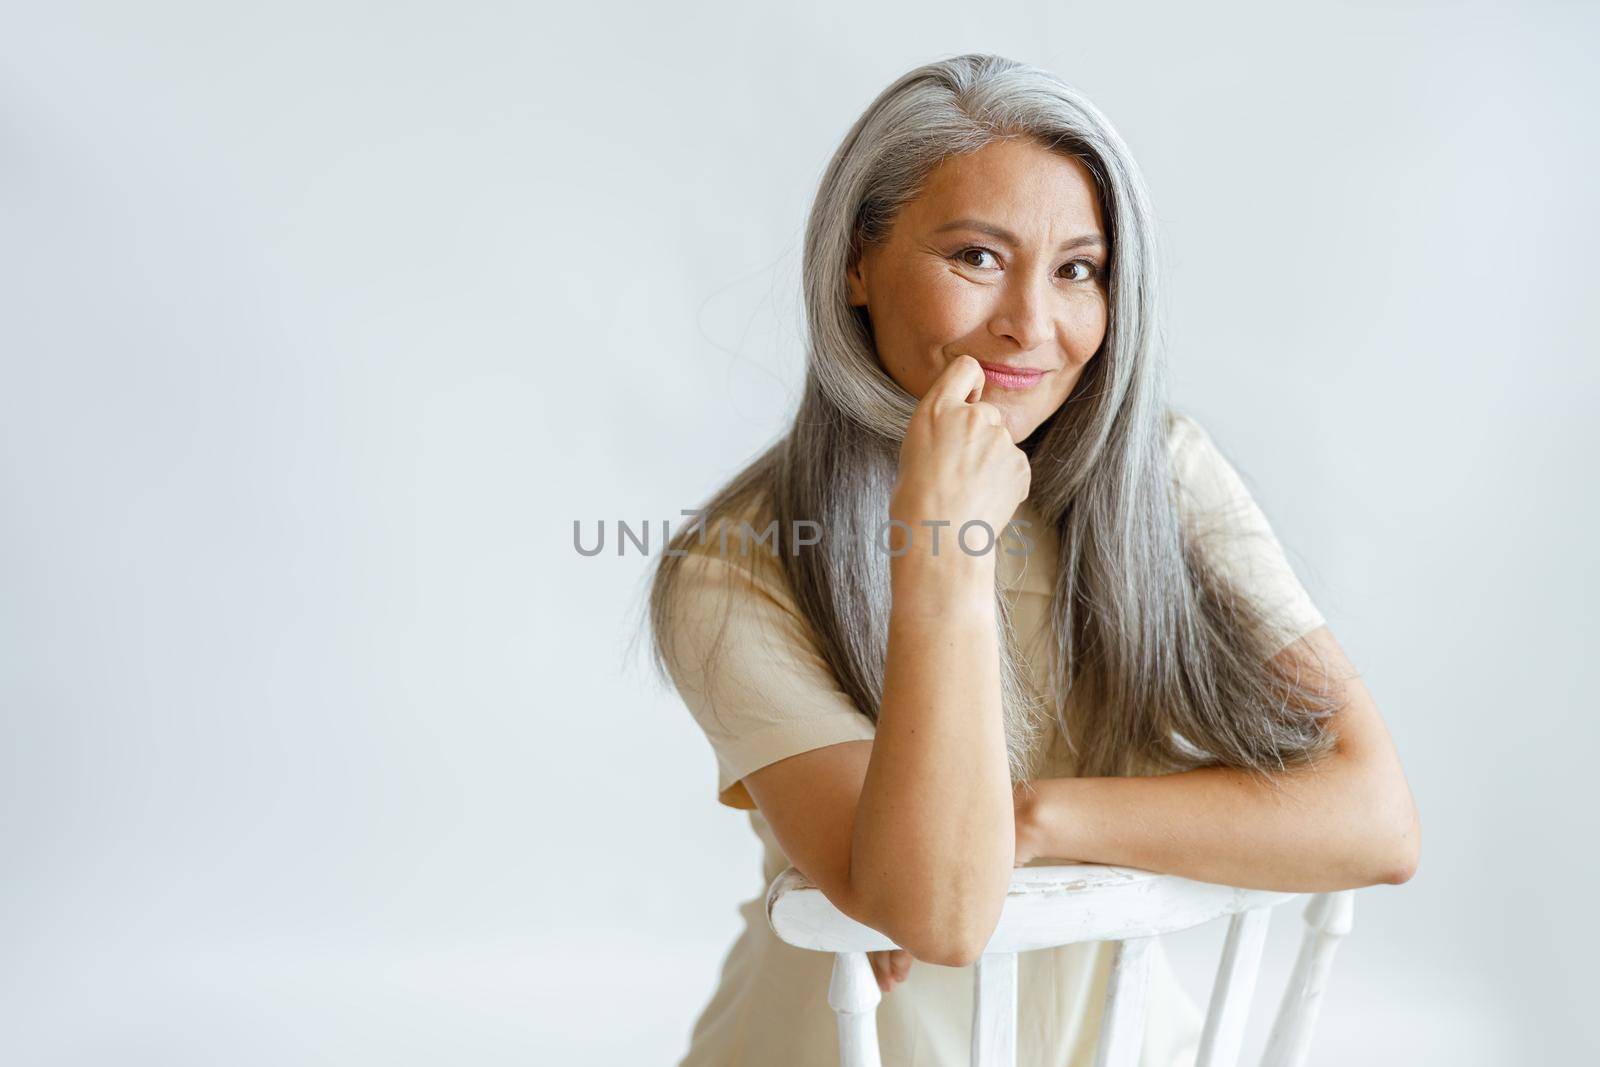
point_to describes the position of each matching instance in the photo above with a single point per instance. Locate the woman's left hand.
(1030, 845)
(1022, 812)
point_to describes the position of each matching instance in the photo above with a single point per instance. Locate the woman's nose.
(1023, 313)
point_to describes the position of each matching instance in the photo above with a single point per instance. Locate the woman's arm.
(934, 826)
(1348, 821)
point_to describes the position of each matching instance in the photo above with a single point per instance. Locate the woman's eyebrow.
(1012, 239)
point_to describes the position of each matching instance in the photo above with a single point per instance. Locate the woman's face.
(1003, 257)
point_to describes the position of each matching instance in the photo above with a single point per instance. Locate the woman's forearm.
(1336, 825)
(934, 838)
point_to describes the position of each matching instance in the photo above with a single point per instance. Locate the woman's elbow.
(948, 951)
(1402, 843)
(950, 928)
(950, 941)
(1409, 852)
(1383, 832)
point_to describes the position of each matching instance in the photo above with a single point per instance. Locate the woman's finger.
(880, 968)
(890, 967)
(960, 382)
(990, 413)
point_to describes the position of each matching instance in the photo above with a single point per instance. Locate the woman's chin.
(1019, 423)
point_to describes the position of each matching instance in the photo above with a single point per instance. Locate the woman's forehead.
(1010, 188)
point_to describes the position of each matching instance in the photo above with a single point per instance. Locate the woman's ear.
(858, 285)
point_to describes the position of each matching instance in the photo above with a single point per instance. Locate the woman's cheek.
(953, 308)
(1085, 329)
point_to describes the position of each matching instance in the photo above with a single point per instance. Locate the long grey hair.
(1160, 663)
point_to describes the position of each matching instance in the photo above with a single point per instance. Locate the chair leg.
(1122, 1022)
(1328, 918)
(1233, 989)
(853, 994)
(994, 1011)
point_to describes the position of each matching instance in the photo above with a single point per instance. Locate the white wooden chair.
(1059, 905)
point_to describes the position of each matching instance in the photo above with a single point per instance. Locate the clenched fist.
(957, 464)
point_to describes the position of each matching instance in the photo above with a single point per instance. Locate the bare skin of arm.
(1346, 822)
(913, 833)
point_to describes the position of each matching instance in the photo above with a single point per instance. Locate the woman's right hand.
(890, 966)
(957, 463)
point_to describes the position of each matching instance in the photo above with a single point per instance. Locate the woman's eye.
(1079, 270)
(966, 252)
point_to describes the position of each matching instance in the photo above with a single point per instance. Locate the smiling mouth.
(998, 374)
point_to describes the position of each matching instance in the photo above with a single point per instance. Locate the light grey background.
(323, 322)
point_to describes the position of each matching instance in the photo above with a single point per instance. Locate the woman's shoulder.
(1202, 474)
(735, 552)
(1184, 435)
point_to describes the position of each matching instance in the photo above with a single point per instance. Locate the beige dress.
(774, 696)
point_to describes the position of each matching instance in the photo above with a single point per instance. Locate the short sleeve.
(758, 688)
(1233, 530)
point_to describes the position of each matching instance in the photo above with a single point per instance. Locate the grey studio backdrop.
(322, 323)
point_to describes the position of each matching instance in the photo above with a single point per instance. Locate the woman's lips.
(998, 374)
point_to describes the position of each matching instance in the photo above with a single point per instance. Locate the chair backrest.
(1060, 905)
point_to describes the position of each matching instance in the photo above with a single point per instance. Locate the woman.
(1131, 675)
